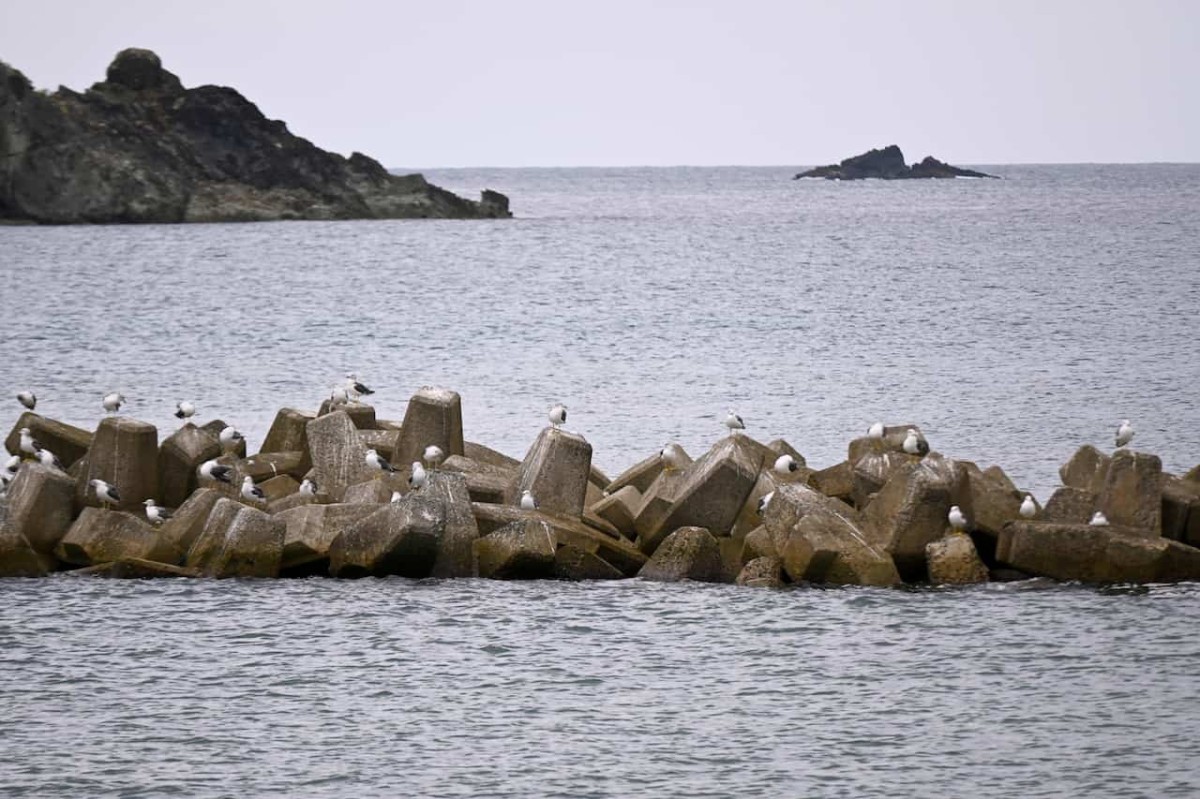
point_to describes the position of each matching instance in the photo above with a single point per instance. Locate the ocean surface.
(1013, 320)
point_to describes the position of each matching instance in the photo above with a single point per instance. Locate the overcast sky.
(521, 83)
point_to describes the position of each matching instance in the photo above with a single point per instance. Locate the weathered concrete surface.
(68, 442)
(555, 470)
(401, 538)
(872, 471)
(990, 502)
(215, 427)
(360, 413)
(310, 530)
(433, 416)
(18, 558)
(688, 553)
(485, 482)
(520, 550)
(124, 453)
(1133, 489)
(265, 465)
(40, 505)
(384, 442)
(101, 536)
(953, 561)
(185, 525)
(488, 456)
(1095, 554)
(179, 456)
(134, 569)
(642, 474)
(1087, 469)
(456, 548)
(253, 546)
(764, 572)
(289, 433)
(837, 481)
(572, 563)
(276, 488)
(657, 501)
(616, 551)
(375, 491)
(619, 509)
(1069, 506)
(1181, 510)
(758, 543)
(207, 544)
(892, 441)
(338, 455)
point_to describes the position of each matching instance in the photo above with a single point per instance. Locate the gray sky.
(526, 83)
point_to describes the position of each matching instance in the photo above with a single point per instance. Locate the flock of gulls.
(352, 389)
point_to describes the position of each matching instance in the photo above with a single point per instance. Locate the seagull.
(527, 500)
(107, 494)
(308, 488)
(230, 438)
(672, 458)
(11, 466)
(914, 445)
(212, 470)
(377, 461)
(1098, 520)
(786, 464)
(558, 415)
(434, 455)
(29, 445)
(339, 396)
(1028, 507)
(397, 496)
(1124, 433)
(764, 502)
(958, 522)
(734, 422)
(184, 410)
(156, 513)
(252, 492)
(355, 389)
(875, 431)
(418, 477)
(113, 402)
(48, 458)
(27, 398)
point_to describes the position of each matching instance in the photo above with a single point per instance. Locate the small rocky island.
(888, 164)
(139, 147)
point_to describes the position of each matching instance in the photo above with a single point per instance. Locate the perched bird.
(27, 398)
(356, 389)
(958, 522)
(1099, 520)
(10, 468)
(230, 438)
(112, 402)
(339, 396)
(48, 458)
(1028, 507)
(308, 488)
(764, 502)
(558, 415)
(734, 422)
(418, 477)
(156, 514)
(107, 494)
(377, 462)
(28, 444)
(397, 496)
(786, 464)
(184, 410)
(913, 444)
(672, 458)
(1124, 433)
(527, 500)
(434, 455)
(211, 470)
(875, 431)
(252, 492)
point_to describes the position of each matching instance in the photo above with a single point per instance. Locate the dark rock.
(616, 551)
(401, 538)
(157, 152)
(572, 563)
(521, 550)
(134, 569)
(888, 164)
(764, 572)
(18, 558)
(688, 553)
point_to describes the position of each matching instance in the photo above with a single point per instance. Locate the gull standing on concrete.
(764, 502)
(418, 477)
(1124, 433)
(397, 496)
(48, 458)
(184, 410)
(113, 401)
(107, 494)
(734, 422)
(1028, 507)
(786, 464)
(958, 522)
(558, 415)
(29, 445)
(1098, 520)
(230, 439)
(252, 492)
(355, 389)
(913, 445)
(156, 514)
(527, 500)
(875, 431)
(672, 458)
(308, 488)
(211, 470)
(434, 455)
(28, 399)
(377, 462)
(339, 397)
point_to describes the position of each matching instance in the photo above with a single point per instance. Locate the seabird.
(958, 522)
(1124, 433)
(112, 402)
(212, 470)
(184, 410)
(107, 494)
(377, 461)
(786, 464)
(308, 488)
(29, 445)
(672, 458)
(764, 502)
(230, 438)
(156, 514)
(11, 466)
(1028, 507)
(734, 422)
(27, 398)
(558, 415)
(356, 389)
(252, 492)
(527, 500)
(418, 477)
(339, 396)
(397, 496)
(914, 445)
(434, 455)
(875, 431)
(1098, 520)
(48, 458)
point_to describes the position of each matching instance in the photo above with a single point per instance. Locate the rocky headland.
(888, 164)
(316, 501)
(139, 147)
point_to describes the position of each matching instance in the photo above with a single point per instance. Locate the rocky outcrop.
(888, 164)
(139, 147)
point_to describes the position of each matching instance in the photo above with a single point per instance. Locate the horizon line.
(781, 166)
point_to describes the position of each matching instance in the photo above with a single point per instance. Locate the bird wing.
(112, 492)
